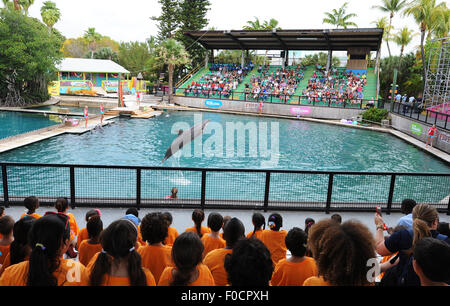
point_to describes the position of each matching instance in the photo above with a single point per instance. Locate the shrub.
(375, 114)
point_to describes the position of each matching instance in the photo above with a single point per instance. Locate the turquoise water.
(13, 123)
(72, 109)
(295, 145)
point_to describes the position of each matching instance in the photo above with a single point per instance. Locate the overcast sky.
(130, 20)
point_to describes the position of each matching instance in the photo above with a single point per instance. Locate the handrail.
(188, 76)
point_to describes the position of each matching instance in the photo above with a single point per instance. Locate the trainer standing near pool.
(86, 115)
(431, 135)
(102, 113)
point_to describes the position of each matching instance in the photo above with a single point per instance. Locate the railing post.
(138, 188)
(330, 192)
(267, 192)
(72, 187)
(5, 186)
(391, 194)
(203, 190)
(448, 207)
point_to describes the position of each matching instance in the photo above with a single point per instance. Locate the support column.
(329, 59)
(207, 58)
(286, 61)
(242, 58)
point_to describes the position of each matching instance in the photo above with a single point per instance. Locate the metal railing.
(416, 113)
(148, 187)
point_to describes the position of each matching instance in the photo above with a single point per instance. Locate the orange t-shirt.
(212, 243)
(215, 260)
(156, 259)
(4, 251)
(34, 215)
(257, 234)
(87, 251)
(203, 230)
(73, 226)
(69, 273)
(82, 235)
(140, 240)
(288, 273)
(205, 277)
(172, 234)
(316, 281)
(274, 241)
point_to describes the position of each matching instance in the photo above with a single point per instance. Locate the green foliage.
(375, 114)
(319, 59)
(339, 17)
(28, 54)
(106, 53)
(50, 13)
(168, 20)
(140, 57)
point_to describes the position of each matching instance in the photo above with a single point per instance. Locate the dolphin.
(185, 137)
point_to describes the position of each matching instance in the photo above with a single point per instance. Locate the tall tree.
(402, 38)
(171, 53)
(92, 37)
(253, 25)
(25, 5)
(50, 13)
(382, 23)
(425, 13)
(442, 24)
(339, 17)
(168, 20)
(392, 7)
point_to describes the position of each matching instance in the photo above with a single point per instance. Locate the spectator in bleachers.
(250, 264)
(91, 246)
(213, 240)
(274, 239)
(32, 204)
(49, 239)
(407, 208)
(259, 224)
(155, 255)
(294, 270)
(187, 253)
(172, 232)
(214, 260)
(444, 228)
(337, 218)
(342, 252)
(225, 221)
(198, 216)
(62, 205)
(119, 263)
(6, 230)
(432, 262)
(83, 233)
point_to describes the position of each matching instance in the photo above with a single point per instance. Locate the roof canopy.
(332, 39)
(90, 65)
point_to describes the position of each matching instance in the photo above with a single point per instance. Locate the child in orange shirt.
(214, 260)
(172, 232)
(212, 240)
(6, 229)
(83, 233)
(198, 216)
(155, 255)
(32, 204)
(274, 238)
(259, 223)
(119, 264)
(49, 239)
(188, 271)
(294, 270)
(91, 246)
(62, 205)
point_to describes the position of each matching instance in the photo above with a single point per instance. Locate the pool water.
(72, 109)
(14, 123)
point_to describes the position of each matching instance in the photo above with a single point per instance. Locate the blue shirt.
(406, 221)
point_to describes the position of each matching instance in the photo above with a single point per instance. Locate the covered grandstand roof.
(325, 39)
(90, 65)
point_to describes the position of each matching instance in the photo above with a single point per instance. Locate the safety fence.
(421, 114)
(149, 187)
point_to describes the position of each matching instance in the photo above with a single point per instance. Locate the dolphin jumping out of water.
(185, 137)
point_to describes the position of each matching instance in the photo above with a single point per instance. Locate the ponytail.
(198, 216)
(101, 266)
(423, 217)
(420, 230)
(40, 273)
(181, 277)
(135, 271)
(61, 204)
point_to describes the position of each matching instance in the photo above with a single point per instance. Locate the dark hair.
(154, 228)
(6, 225)
(337, 218)
(198, 216)
(215, 221)
(118, 241)
(275, 221)
(250, 264)
(225, 221)
(90, 213)
(444, 228)
(187, 253)
(132, 211)
(168, 217)
(308, 223)
(61, 204)
(46, 238)
(296, 240)
(233, 231)
(174, 192)
(2, 210)
(258, 221)
(94, 227)
(21, 229)
(407, 206)
(342, 251)
(31, 203)
(433, 257)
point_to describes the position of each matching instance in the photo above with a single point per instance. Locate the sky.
(129, 20)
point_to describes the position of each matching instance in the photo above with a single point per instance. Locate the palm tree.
(425, 13)
(392, 7)
(441, 27)
(172, 53)
(339, 18)
(25, 5)
(382, 23)
(92, 37)
(50, 14)
(253, 25)
(403, 37)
